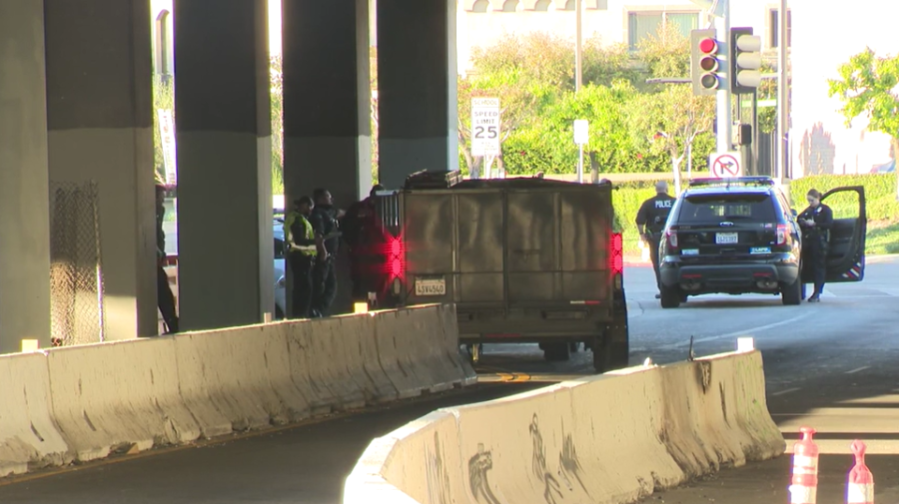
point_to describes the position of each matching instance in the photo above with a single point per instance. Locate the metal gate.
(76, 273)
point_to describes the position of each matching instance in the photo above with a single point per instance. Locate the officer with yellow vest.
(302, 249)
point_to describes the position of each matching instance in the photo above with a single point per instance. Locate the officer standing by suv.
(816, 221)
(651, 222)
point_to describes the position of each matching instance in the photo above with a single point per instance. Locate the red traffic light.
(708, 46)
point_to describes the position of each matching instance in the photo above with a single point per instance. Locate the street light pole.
(782, 94)
(579, 46)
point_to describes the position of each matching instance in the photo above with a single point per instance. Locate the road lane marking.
(744, 332)
(784, 392)
(858, 369)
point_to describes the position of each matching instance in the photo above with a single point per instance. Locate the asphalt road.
(830, 365)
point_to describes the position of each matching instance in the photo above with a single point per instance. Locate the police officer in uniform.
(815, 221)
(302, 248)
(165, 299)
(651, 222)
(324, 275)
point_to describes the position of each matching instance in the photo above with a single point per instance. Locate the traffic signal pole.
(722, 27)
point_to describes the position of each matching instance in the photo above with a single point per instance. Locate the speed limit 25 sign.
(485, 127)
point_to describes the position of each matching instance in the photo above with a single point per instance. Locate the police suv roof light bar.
(746, 181)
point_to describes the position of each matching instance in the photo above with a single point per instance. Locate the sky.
(274, 27)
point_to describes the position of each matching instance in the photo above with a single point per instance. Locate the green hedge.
(880, 195)
(627, 201)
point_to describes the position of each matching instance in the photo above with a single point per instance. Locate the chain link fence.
(76, 273)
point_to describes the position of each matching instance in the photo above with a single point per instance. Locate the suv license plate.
(726, 238)
(431, 287)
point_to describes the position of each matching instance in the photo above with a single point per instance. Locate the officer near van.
(302, 249)
(815, 222)
(165, 299)
(325, 222)
(651, 222)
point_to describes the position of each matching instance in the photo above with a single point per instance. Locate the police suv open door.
(846, 250)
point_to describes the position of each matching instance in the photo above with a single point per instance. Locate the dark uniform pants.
(653, 243)
(817, 260)
(324, 277)
(301, 275)
(166, 300)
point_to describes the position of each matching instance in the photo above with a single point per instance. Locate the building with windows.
(825, 39)
(482, 23)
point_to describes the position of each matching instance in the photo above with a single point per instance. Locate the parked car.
(740, 235)
(280, 269)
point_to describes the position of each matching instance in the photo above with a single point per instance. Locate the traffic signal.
(745, 61)
(705, 65)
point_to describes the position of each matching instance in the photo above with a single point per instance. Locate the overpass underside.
(77, 156)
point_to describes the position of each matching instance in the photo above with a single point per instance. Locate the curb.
(879, 259)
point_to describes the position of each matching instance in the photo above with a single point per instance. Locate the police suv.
(740, 235)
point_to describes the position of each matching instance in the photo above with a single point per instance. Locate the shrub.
(880, 194)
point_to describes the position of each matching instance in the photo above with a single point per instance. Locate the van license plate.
(430, 287)
(726, 238)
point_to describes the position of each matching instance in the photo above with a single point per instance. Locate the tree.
(671, 121)
(530, 74)
(605, 108)
(867, 87)
(277, 97)
(163, 98)
(672, 117)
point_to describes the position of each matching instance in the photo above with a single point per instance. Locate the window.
(480, 6)
(642, 25)
(570, 5)
(774, 28)
(510, 6)
(542, 5)
(721, 207)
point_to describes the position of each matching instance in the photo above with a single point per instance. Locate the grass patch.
(883, 238)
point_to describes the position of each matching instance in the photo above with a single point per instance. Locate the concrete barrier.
(118, 396)
(240, 374)
(29, 438)
(609, 439)
(87, 402)
(409, 364)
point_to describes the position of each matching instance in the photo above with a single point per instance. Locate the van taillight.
(617, 253)
(396, 257)
(782, 234)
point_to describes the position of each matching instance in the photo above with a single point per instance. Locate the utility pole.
(782, 92)
(579, 46)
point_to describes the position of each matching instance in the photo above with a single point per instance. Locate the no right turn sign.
(725, 165)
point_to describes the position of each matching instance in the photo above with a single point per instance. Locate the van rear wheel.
(556, 352)
(610, 353)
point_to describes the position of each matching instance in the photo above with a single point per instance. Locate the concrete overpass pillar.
(24, 222)
(417, 72)
(327, 99)
(223, 123)
(327, 107)
(99, 114)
